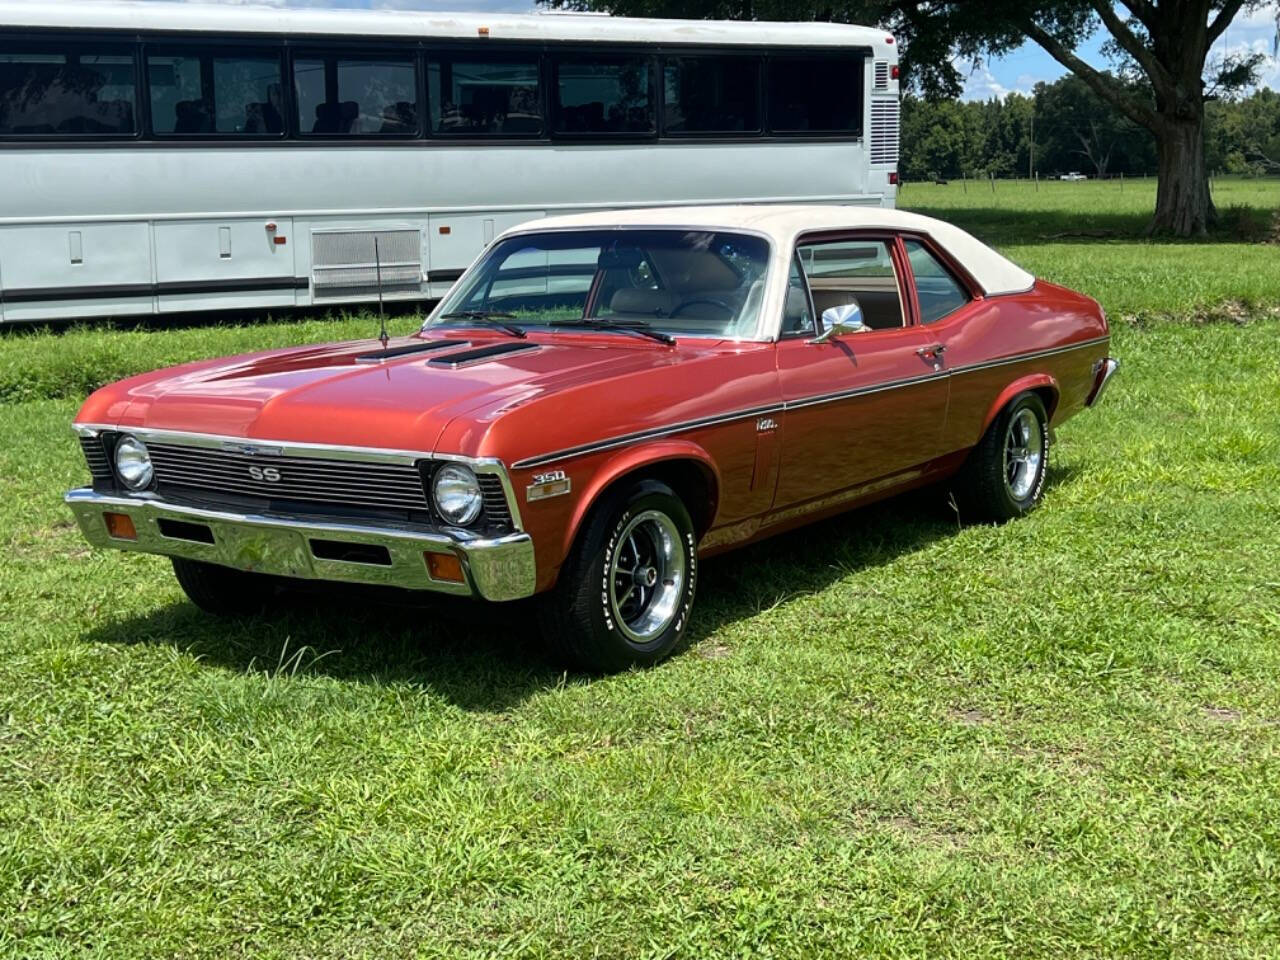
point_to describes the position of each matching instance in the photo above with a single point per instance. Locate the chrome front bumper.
(495, 569)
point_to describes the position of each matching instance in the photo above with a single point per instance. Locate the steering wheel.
(732, 312)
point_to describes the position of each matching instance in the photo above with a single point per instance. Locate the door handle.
(933, 350)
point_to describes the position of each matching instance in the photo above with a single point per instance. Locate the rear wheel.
(223, 591)
(625, 594)
(1005, 473)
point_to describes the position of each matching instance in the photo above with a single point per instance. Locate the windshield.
(679, 282)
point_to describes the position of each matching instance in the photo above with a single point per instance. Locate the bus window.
(350, 96)
(711, 95)
(596, 95)
(475, 95)
(816, 95)
(52, 92)
(202, 93)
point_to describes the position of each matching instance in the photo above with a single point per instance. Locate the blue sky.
(1019, 71)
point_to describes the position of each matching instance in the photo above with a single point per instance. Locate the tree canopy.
(1161, 48)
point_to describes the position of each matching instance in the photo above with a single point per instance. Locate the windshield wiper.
(642, 327)
(494, 317)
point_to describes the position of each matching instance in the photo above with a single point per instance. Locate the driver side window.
(845, 272)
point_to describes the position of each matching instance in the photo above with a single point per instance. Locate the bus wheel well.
(691, 481)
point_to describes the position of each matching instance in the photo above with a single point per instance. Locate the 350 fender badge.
(547, 485)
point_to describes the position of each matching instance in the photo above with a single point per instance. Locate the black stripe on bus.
(169, 288)
(443, 276)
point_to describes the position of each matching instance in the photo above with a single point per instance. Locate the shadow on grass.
(403, 317)
(999, 223)
(487, 657)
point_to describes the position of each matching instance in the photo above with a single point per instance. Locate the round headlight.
(456, 493)
(133, 463)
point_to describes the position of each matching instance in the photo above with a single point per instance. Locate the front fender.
(635, 459)
(1034, 381)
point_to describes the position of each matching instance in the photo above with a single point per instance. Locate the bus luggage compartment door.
(457, 239)
(225, 264)
(75, 270)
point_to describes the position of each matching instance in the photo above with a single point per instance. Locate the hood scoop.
(466, 358)
(422, 346)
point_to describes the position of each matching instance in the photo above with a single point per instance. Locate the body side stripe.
(658, 432)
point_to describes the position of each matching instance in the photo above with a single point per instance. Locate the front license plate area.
(264, 550)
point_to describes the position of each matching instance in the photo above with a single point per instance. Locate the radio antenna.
(382, 316)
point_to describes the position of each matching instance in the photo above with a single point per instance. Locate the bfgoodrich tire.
(1005, 473)
(625, 594)
(222, 591)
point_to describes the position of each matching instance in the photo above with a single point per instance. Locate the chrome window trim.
(760, 326)
(318, 451)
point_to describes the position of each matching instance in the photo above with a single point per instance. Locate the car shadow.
(488, 657)
(1000, 224)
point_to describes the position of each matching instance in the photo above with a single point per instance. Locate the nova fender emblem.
(765, 424)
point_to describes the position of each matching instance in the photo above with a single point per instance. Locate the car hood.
(345, 394)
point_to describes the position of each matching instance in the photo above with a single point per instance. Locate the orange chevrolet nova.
(598, 402)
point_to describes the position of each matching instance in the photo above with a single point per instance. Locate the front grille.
(496, 511)
(884, 131)
(95, 455)
(338, 483)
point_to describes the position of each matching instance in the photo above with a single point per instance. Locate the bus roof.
(236, 18)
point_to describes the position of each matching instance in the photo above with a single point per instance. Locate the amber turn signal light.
(120, 526)
(444, 566)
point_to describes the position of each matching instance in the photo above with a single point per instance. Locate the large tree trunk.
(1183, 205)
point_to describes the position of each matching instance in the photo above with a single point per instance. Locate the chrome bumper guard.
(495, 569)
(1103, 371)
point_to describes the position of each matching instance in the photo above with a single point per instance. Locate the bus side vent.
(882, 75)
(884, 131)
(343, 262)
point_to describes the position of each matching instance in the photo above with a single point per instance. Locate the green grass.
(891, 736)
(1127, 273)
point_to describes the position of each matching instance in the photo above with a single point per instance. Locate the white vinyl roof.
(135, 15)
(995, 273)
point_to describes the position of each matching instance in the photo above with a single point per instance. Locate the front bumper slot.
(500, 568)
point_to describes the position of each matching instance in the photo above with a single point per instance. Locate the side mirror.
(839, 321)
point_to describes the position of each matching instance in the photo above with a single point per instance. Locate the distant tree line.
(1072, 129)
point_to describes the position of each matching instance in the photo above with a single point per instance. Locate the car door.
(864, 410)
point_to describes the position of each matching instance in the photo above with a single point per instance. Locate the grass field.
(1129, 274)
(891, 737)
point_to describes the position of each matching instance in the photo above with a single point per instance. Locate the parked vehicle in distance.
(235, 157)
(1073, 176)
(598, 403)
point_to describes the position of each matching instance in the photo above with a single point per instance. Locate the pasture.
(891, 736)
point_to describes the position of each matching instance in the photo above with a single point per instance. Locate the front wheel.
(625, 594)
(223, 591)
(1005, 473)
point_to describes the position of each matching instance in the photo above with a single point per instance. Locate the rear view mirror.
(620, 258)
(840, 321)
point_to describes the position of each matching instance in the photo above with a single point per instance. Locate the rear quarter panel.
(1048, 338)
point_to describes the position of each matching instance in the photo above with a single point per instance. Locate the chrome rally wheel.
(1023, 453)
(625, 594)
(647, 572)
(1005, 472)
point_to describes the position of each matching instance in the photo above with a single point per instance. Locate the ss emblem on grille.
(269, 474)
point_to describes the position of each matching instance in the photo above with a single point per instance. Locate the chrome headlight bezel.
(456, 494)
(131, 462)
